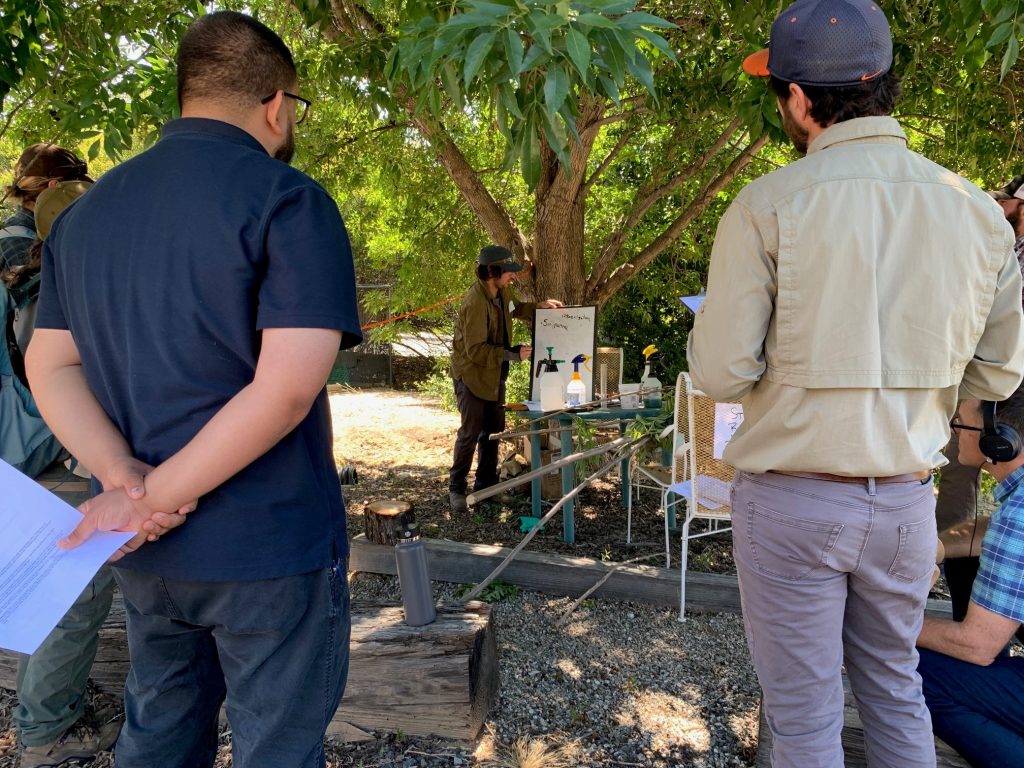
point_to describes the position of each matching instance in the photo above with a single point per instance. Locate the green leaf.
(554, 132)
(658, 42)
(543, 38)
(1010, 57)
(475, 55)
(1008, 10)
(612, 7)
(509, 99)
(514, 51)
(469, 20)
(642, 19)
(529, 155)
(641, 70)
(570, 121)
(579, 51)
(610, 89)
(614, 58)
(391, 65)
(556, 88)
(770, 110)
(1000, 36)
(491, 9)
(450, 80)
(501, 118)
(535, 57)
(595, 20)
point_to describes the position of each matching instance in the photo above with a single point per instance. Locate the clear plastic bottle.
(576, 391)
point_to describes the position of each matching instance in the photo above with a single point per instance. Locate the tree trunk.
(558, 236)
(558, 248)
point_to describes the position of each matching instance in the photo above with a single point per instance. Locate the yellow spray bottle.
(650, 387)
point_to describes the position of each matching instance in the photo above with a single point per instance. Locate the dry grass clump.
(534, 753)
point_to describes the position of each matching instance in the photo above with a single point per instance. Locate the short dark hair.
(1011, 411)
(836, 104)
(487, 271)
(230, 57)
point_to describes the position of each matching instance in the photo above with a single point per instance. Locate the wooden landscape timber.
(440, 679)
(853, 739)
(460, 563)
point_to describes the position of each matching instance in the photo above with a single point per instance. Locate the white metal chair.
(705, 480)
(661, 478)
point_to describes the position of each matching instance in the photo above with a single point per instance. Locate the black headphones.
(998, 442)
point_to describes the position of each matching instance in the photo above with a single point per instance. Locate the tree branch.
(603, 165)
(644, 199)
(696, 207)
(495, 219)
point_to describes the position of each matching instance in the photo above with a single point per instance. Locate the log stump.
(437, 680)
(380, 517)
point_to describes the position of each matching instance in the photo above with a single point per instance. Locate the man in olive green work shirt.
(852, 295)
(481, 352)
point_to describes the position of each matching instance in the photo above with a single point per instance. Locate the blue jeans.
(979, 711)
(277, 649)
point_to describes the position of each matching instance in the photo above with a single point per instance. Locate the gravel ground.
(614, 685)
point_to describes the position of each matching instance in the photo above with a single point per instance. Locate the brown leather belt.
(907, 478)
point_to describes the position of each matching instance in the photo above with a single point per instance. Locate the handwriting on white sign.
(728, 417)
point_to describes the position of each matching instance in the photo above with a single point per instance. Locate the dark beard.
(286, 151)
(796, 134)
(1014, 217)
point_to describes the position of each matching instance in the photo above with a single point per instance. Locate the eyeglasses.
(306, 104)
(955, 424)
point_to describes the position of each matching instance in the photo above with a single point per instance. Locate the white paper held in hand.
(38, 582)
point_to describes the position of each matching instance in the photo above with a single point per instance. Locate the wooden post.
(379, 518)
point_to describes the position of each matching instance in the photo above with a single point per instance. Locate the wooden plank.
(852, 739)
(461, 563)
(440, 679)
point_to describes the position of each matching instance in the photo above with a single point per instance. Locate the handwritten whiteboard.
(728, 417)
(570, 331)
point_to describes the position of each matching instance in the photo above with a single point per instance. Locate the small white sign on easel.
(728, 417)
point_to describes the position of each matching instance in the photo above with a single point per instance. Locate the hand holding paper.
(116, 511)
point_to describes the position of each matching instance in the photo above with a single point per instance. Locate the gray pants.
(832, 572)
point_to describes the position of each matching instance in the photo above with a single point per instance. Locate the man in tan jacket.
(852, 297)
(481, 352)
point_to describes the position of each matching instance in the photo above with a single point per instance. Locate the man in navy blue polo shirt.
(191, 309)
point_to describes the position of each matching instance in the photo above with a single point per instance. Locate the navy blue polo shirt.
(165, 273)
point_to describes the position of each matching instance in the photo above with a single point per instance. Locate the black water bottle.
(417, 595)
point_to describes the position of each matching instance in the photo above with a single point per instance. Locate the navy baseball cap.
(826, 43)
(499, 256)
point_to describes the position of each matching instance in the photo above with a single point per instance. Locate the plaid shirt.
(999, 586)
(14, 251)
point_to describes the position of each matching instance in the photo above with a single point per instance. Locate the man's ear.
(273, 116)
(799, 105)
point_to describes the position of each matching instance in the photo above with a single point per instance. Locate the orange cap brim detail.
(756, 64)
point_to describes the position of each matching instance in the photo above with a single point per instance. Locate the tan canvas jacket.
(479, 345)
(850, 295)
